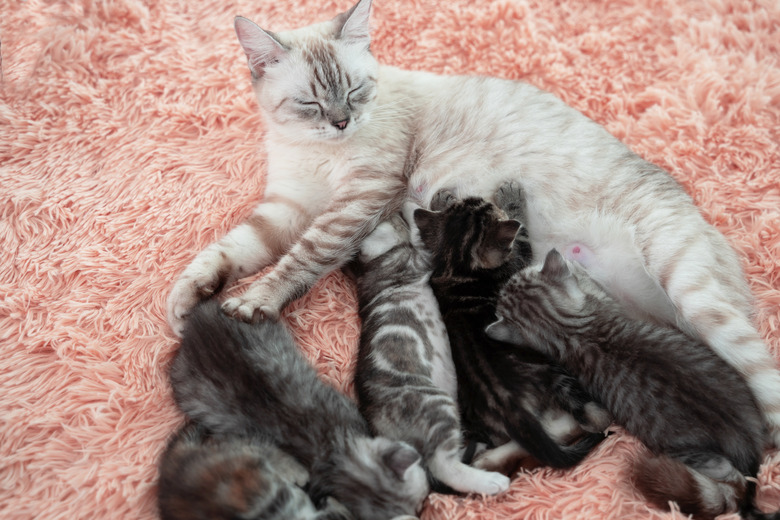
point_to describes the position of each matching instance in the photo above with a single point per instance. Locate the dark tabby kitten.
(242, 379)
(405, 378)
(227, 477)
(694, 411)
(504, 394)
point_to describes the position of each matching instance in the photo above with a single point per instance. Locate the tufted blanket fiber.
(130, 139)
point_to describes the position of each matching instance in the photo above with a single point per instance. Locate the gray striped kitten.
(693, 411)
(231, 477)
(514, 400)
(235, 378)
(405, 379)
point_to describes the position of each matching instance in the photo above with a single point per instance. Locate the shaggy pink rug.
(129, 140)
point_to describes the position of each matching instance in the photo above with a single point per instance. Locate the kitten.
(405, 379)
(503, 393)
(242, 379)
(694, 412)
(348, 139)
(210, 477)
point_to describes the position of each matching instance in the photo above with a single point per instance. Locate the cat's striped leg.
(244, 250)
(328, 243)
(702, 276)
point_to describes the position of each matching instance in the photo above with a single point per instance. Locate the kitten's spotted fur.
(348, 139)
(404, 378)
(503, 393)
(694, 411)
(236, 378)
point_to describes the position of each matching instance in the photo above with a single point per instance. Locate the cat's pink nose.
(341, 125)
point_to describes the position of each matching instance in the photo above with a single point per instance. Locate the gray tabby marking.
(694, 411)
(242, 379)
(405, 379)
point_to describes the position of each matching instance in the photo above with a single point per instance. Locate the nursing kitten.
(693, 411)
(503, 393)
(347, 139)
(405, 379)
(235, 378)
(216, 477)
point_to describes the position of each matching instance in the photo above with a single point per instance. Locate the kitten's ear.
(353, 25)
(427, 223)
(261, 47)
(507, 231)
(399, 458)
(500, 331)
(555, 267)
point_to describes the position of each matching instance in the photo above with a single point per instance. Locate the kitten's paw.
(334, 510)
(493, 483)
(598, 418)
(186, 293)
(250, 310)
(442, 199)
(510, 197)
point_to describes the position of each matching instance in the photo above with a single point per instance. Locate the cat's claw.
(442, 199)
(249, 310)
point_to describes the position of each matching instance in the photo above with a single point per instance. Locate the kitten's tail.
(723, 489)
(529, 433)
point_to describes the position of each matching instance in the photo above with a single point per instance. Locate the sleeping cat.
(404, 379)
(235, 378)
(348, 140)
(503, 393)
(694, 412)
(225, 477)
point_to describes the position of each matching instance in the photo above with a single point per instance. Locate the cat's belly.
(561, 214)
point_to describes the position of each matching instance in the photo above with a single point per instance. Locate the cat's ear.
(507, 230)
(261, 47)
(555, 267)
(399, 458)
(427, 223)
(353, 26)
(500, 331)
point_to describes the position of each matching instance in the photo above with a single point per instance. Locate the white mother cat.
(348, 140)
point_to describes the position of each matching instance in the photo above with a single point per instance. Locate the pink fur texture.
(129, 140)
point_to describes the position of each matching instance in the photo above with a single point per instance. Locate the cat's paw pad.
(579, 253)
(249, 310)
(597, 417)
(185, 295)
(442, 199)
(510, 197)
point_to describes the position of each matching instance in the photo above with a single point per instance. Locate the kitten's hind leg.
(445, 466)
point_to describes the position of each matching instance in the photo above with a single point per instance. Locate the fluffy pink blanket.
(129, 140)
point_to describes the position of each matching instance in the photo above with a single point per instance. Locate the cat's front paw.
(185, 295)
(597, 417)
(250, 308)
(442, 199)
(510, 197)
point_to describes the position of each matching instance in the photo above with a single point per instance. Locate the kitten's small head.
(468, 235)
(377, 479)
(556, 291)
(316, 83)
